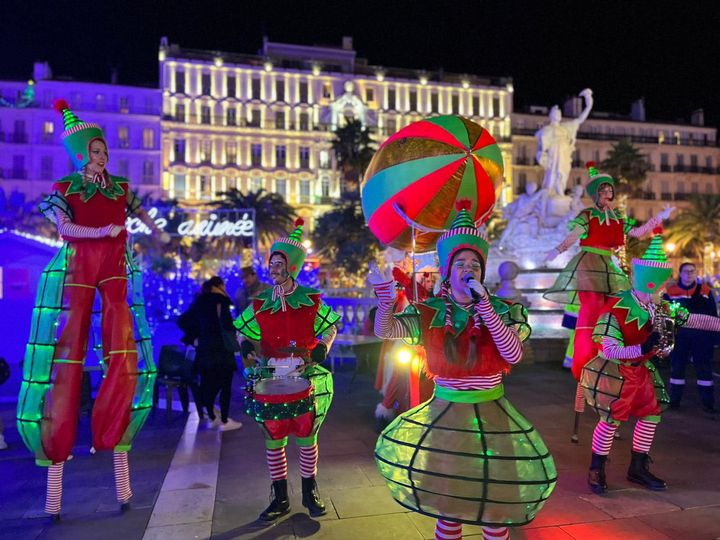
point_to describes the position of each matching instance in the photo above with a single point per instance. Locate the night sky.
(667, 52)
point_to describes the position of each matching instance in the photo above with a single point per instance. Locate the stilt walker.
(591, 276)
(621, 381)
(466, 455)
(89, 208)
(293, 392)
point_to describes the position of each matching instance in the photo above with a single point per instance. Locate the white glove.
(114, 230)
(665, 212)
(479, 288)
(377, 276)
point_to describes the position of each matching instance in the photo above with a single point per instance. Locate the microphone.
(467, 279)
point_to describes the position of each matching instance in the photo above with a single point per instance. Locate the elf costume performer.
(622, 381)
(287, 318)
(591, 276)
(89, 208)
(466, 455)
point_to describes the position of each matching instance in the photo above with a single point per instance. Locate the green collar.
(459, 315)
(603, 217)
(635, 312)
(298, 298)
(89, 189)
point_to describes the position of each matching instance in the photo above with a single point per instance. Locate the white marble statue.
(556, 144)
(524, 216)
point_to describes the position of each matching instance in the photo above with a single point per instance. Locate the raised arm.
(652, 223)
(135, 208)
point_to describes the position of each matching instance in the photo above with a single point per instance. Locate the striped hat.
(652, 269)
(462, 235)
(77, 134)
(291, 247)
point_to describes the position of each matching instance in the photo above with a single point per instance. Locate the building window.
(122, 167)
(179, 184)
(19, 136)
(254, 118)
(123, 137)
(324, 159)
(392, 96)
(455, 104)
(327, 90)
(124, 105)
(231, 85)
(708, 188)
(279, 119)
(48, 132)
(496, 106)
(231, 116)
(256, 155)
(100, 102)
(304, 92)
(148, 138)
(205, 114)
(179, 150)
(391, 125)
(325, 187)
(203, 187)
(434, 102)
(476, 105)
(256, 183)
(180, 85)
(280, 155)
(180, 112)
(46, 167)
(304, 121)
(279, 90)
(255, 88)
(413, 100)
(304, 157)
(281, 187)
(205, 84)
(304, 191)
(18, 169)
(148, 175)
(369, 95)
(694, 187)
(230, 152)
(206, 151)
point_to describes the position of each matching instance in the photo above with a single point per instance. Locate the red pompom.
(590, 164)
(658, 230)
(463, 204)
(60, 105)
(299, 221)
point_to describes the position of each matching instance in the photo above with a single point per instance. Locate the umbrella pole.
(412, 258)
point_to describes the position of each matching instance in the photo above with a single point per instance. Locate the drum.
(280, 399)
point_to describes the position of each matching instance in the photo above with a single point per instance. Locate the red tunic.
(488, 359)
(278, 329)
(608, 235)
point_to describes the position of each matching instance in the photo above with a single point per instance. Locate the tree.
(274, 217)
(696, 226)
(345, 238)
(628, 166)
(354, 149)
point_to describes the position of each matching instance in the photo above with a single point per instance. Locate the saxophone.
(664, 325)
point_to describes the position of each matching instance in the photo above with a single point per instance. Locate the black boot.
(639, 472)
(707, 398)
(676, 392)
(280, 504)
(596, 474)
(310, 499)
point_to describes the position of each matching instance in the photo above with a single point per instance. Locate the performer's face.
(465, 262)
(605, 194)
(98, 156)
(278, 269)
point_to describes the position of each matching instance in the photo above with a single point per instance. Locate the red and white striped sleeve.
(387, 326)
(67, 228)
(703, 322)
(614, 350)
(506, 339)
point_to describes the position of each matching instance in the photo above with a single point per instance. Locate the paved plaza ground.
(190, 482)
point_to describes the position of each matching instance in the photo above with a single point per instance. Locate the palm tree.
(696, 226)
(628, 166)
(274, 217)
(354, 149)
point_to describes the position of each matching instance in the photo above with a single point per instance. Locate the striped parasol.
(418, 173)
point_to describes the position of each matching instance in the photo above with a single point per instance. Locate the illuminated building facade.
(267, 120)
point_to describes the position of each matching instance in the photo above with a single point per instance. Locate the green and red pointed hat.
(597, 179)
(77, 135)
(652, 270)
(291, 247)
(418, 173)
(463, 234)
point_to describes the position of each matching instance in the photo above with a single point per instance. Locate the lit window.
(148, 138)
(123, 137)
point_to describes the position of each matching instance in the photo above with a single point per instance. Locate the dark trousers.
(698, 346)
(212, 383)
